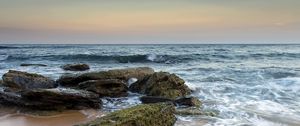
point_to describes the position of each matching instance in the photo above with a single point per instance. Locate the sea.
(247, 85)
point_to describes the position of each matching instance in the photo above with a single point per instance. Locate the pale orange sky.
(144, 21)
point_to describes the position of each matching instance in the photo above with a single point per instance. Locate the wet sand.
(11, 117)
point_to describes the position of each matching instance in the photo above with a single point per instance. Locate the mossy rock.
(189, 102)
(161, 84)
(159, 114)
(194, 111)
(181, 102)
(105, 88)
(120, 74)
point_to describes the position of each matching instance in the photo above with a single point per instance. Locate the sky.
(149, 21)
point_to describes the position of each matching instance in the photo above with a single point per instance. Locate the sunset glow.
(135, 21)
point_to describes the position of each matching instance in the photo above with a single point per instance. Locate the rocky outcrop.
(183, 101)
(30, 64)
(50, 99)
(154, 99)
(23, 80)
(105, 88)
(161, 84)
(188, 101)
(76, 67)
(60, 98)
(10, 98)
(161, 114)
(194, 111)
(121, 74)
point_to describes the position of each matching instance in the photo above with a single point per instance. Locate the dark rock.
(9, 98)
(76, 67)
(29, 64)
(153, 99)
(140, 86)
(70, 80)
(59, 99)
(121, 74)
(188, 101)
(161, 84)
(23, 80)
(160, 114)
(50, 99)
(105, 88)
(183, 101)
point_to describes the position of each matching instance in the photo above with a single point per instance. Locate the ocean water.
(247, 85)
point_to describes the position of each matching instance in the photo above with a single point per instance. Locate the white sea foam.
(151, 57)
(131, 81)
(3, 57)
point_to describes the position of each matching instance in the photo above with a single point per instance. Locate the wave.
(3, 57)
(8, 47)
(292, 55)
(109, 58)
(269, 55)
(169, 59)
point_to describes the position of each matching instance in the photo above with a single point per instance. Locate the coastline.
(12, 117)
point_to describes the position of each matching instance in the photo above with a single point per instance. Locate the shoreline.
(12, 117)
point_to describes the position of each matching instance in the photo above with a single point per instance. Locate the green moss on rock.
(159, 114)
(189, 101)
(105, 88)
(194, 111)
(120, 74)
(162, 84)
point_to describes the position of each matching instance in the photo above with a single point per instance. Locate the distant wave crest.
(169, 59)
(104, 58)
(3, 57)
(8, 47)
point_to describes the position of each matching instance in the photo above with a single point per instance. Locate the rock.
(160, 114)
(1, 83)
(183, 101)
(69, 80)
(188, 101)
(9, 98)
(161, 84)
(23, 80)
(105, 88)
(121, 74)
(76, 67)
(59, 99)
(29, 64)
(194, 111)
(153, 99)
(50, 99)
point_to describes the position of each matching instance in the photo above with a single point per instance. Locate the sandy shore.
(11, 117)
